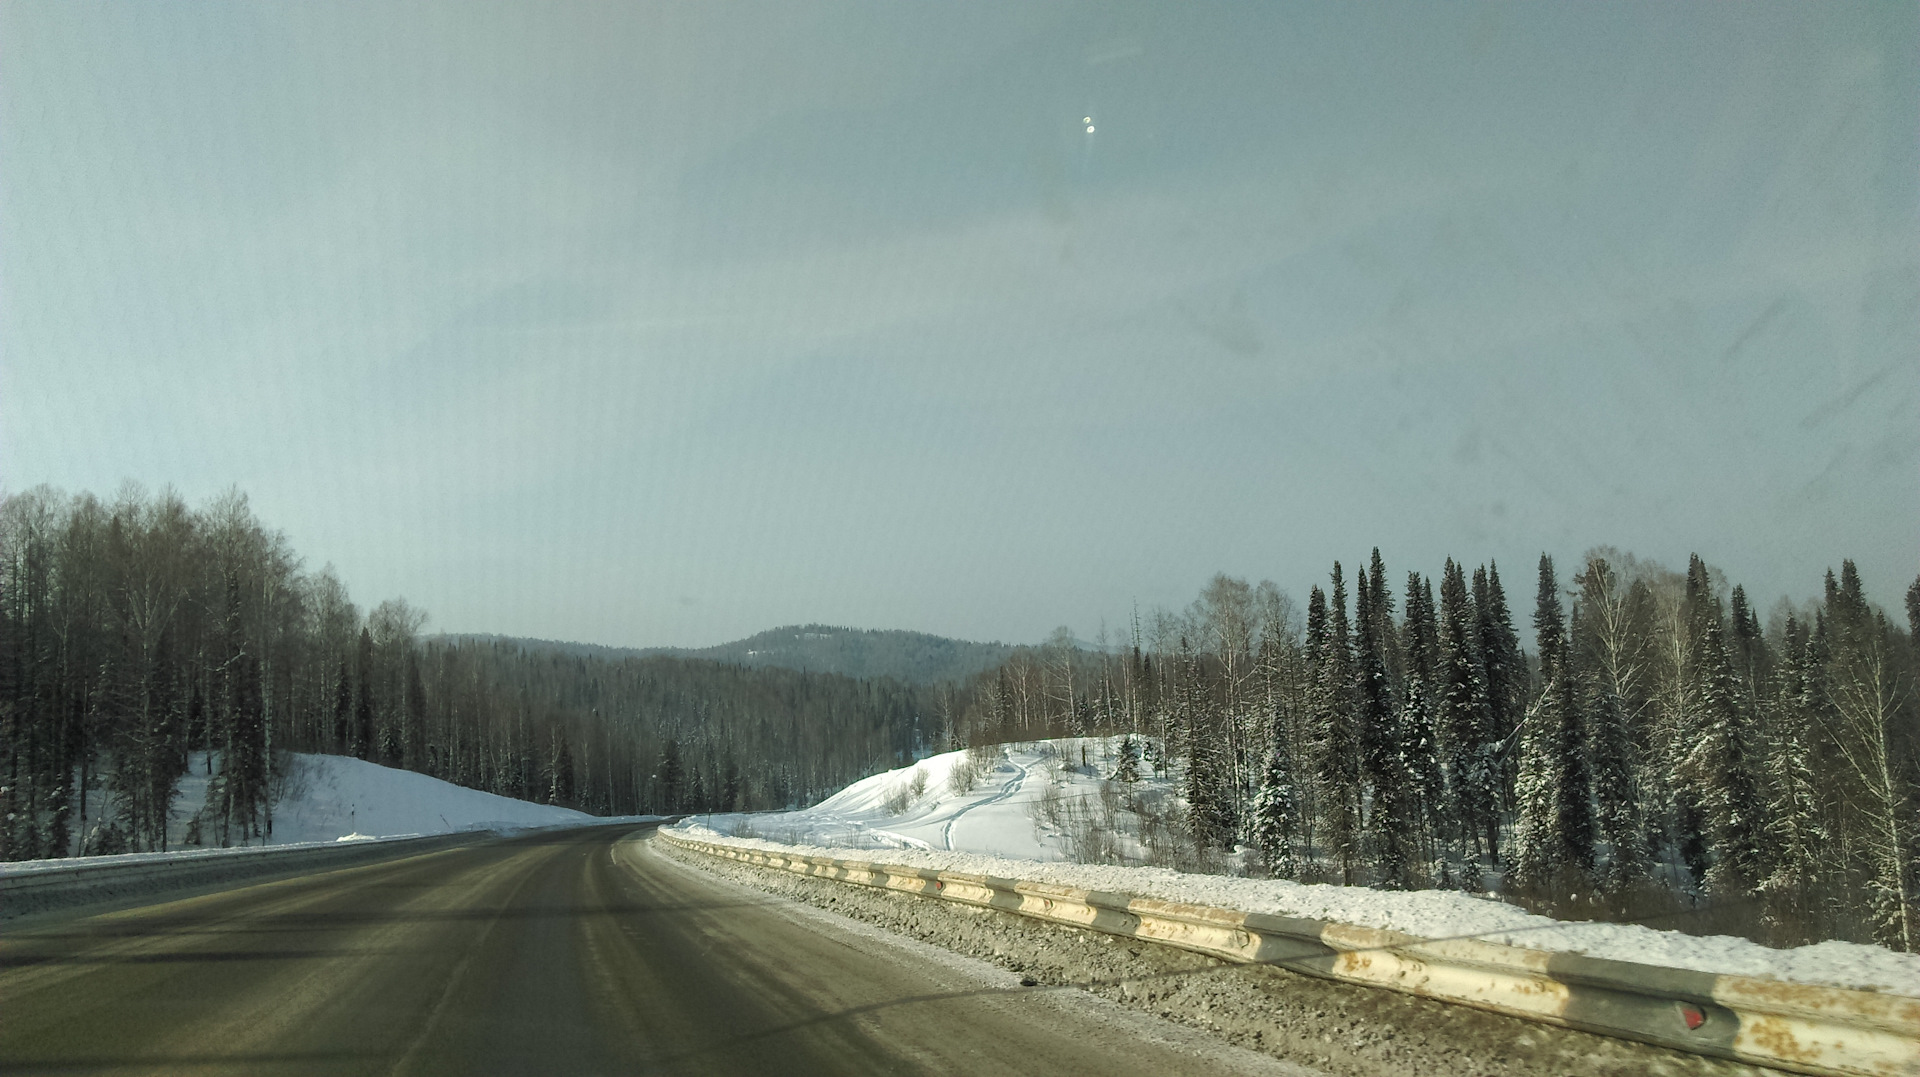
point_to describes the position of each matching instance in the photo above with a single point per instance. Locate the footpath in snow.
(332, 798)
(989, 827)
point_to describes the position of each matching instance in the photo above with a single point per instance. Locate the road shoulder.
(1322, 1025)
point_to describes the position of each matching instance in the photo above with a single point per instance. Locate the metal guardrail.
(1798, 1027)
(83, 884)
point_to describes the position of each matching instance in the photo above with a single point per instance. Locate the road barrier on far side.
(1798, 1027)
(79, 884)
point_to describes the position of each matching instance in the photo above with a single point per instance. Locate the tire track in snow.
(1006, 793)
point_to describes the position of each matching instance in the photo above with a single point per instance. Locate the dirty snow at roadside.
(990, 829)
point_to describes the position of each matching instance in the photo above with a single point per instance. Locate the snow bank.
(989, 831)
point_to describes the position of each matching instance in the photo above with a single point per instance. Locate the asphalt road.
(582, 952)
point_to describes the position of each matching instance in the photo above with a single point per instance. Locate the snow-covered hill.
(334, 797)
(983, 802)
(1012, 814)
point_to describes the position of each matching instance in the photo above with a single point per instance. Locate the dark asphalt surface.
(579, 952)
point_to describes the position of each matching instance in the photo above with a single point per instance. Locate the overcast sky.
(646, 324)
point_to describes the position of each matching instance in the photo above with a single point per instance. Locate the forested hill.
(912, 657)
(138, 633)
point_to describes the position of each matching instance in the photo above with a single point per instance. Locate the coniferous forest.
(1661, 753)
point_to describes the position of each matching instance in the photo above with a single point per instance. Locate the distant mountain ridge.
(913, 657)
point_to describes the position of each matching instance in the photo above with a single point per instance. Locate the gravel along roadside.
(1340, 1028)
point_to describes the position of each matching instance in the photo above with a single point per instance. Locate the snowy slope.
(330, 798)
(991, 830)
(990, 816)
(994, 814)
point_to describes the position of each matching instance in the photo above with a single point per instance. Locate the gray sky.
(645, 324)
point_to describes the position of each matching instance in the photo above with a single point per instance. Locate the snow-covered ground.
(993, 812)
(996, 827)
(329, 798)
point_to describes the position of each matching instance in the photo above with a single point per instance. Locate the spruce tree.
(1316, 624)
(1419, 736)
(413, 751)
(343, 711)
(1504, 672)
(1617, 816)
(1553, 836)
(1312, 731)
(1127, 767)
(1466, 726)
(1536, 829)
(1913, 615)
(1386, 821)
(1211, 812)
(1687, 730)
(363, 697)
(1276, 815)
(1619, 823)
(1797, 833)
(1391, 652)
(1573, 761)
(1751, 661)
(671, 777)
(1337, 751)
(1718, 766)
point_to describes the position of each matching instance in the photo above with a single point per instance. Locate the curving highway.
(579, 952)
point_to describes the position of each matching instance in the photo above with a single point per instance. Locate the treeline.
(139, 635)
(1659, 749)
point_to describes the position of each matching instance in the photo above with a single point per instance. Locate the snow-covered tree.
(1799, 831)
(1618, 822)
(1336, 734)
(1553, 837)
(1127, 765)
(1387, 819)
(1467, 743)
(1869, 697)
(1718, 765)
(1276, 815)
(1419, 724)
(1503, 670)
